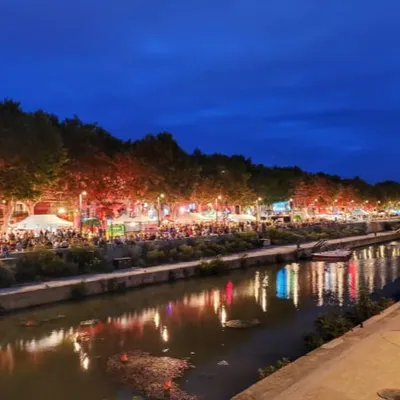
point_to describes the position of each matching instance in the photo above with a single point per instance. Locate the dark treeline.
(42, 157)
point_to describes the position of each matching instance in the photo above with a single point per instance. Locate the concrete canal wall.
(354, 366)
(64, 289)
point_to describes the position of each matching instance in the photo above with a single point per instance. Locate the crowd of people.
(18, 241)
(23, 240)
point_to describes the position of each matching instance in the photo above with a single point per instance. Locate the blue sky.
(285, 82)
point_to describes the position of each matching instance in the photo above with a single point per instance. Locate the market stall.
(43, 222)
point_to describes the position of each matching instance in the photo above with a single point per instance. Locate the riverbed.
(183, 319)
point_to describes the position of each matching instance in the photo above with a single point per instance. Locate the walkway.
(353, 367)
(272, 250)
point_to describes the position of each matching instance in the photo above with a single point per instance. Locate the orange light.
(124, 358)
(168, 385)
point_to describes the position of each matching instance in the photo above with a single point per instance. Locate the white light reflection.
(164, 334)
(320, 279)
(223, 316)
(340, 275)
(216, 300)
(295, 268)
(157, 319)
(257, 286)
(264, 299)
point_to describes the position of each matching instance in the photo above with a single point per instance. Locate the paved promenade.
(272, 250)
(354, 367)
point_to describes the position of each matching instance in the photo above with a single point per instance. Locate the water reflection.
(271, 294)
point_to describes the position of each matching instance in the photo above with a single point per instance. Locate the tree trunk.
(8, 210)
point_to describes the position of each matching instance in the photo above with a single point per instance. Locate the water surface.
(183, 319)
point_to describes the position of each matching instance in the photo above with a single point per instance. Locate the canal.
(183, 319)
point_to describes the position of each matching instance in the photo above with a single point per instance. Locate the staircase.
(319, 245)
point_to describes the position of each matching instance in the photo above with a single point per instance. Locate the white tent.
(143, 219)
(44, 222)
(191, 217)
(241, 218)
(123, 219)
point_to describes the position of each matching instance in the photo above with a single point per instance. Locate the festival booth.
(49, 222)
(241, 218)
(124, 224)
(360, 213)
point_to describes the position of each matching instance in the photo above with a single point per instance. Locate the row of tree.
(44, 158)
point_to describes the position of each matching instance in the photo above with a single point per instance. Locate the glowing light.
(85, 362)
(182, 209)
(157, 319)
(84, 193)
(264, 299)
(164, 334)
(223, 316)
(61, 210)
(216, 300)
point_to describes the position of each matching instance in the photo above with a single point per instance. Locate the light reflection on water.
(182, 317)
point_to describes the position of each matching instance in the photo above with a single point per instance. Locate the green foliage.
(79, 291)
(331, 325)
(7, 278)
(213, 267)
(264, 372)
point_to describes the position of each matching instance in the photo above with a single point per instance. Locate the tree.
(31, 155)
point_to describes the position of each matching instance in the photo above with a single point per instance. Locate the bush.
(334, 324)
(7, 278)
(79, 291)
(87, 259)
(213, 267)
(264, 372)
(35, 265)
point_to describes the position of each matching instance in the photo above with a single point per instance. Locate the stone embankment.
(61, 289)
(357, 365)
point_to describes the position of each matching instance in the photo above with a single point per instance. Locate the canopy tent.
(359, 211)
(123, 219)
(44, 222)
(241, 218)
(191, 217)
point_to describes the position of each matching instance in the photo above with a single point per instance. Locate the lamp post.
(258, 209)
(81, 195)
(216, 208)
(159, 197)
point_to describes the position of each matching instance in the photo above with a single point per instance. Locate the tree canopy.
(42, 157)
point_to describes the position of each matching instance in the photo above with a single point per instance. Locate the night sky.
(286, 82)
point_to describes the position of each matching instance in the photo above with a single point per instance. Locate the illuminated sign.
(281, 206)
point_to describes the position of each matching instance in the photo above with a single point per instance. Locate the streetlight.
(216, 207)
(258, 209)
(159, 197)
(81, 195)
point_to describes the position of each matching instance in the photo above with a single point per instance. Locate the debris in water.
(89, 322)
(223, 362)
(30, 324)
(165, 350)
(192, 352)
(242, 323)
(150, 374)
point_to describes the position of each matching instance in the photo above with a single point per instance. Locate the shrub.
(84, 258)
(7, 278)
(264, 372)
(37, 264)
(213, 267)
(79, 291)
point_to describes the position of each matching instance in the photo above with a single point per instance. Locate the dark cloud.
(284, 81)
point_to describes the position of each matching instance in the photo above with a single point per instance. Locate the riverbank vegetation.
(333, 324)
